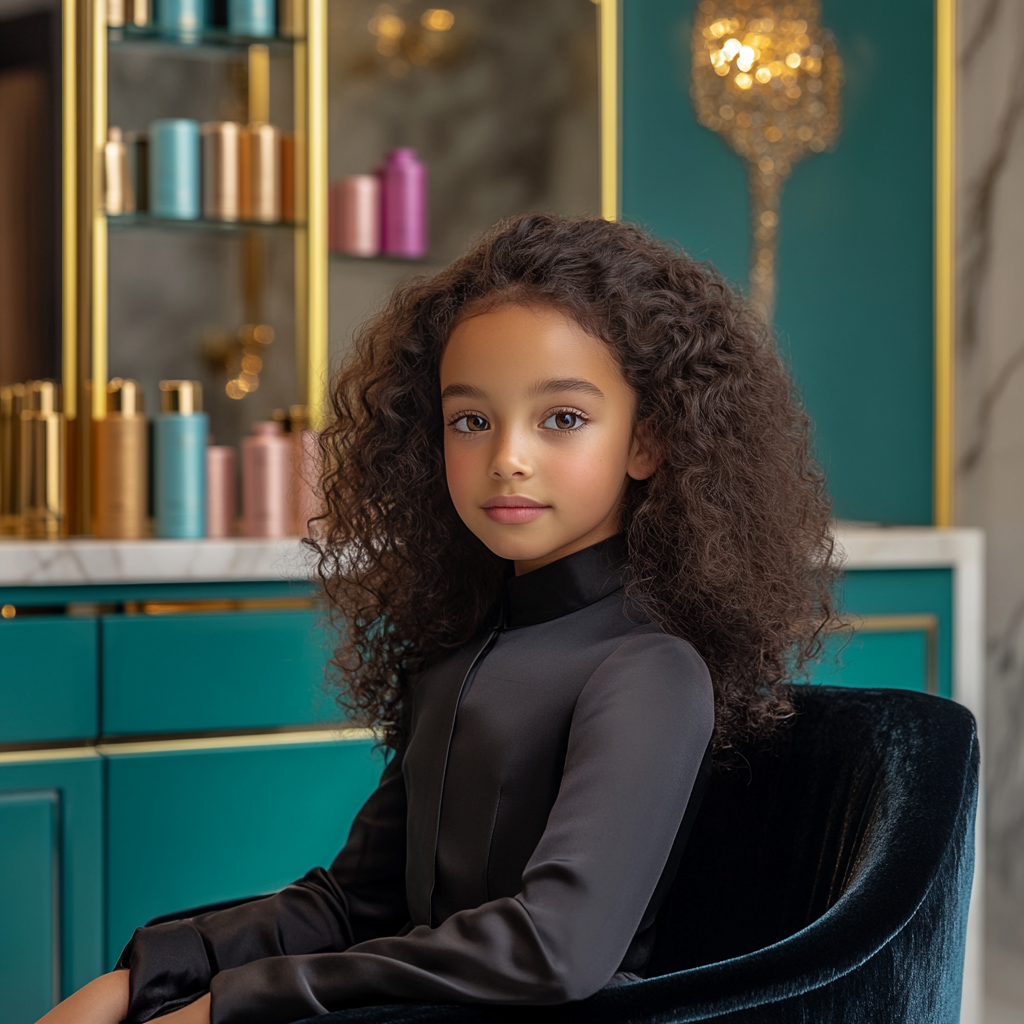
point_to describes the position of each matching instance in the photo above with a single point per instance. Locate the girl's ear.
(643, 460)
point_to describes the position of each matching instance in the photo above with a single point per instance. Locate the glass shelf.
(211, 42)
(344, 257)
(141, 221)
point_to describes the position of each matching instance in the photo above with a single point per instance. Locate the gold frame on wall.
(610, 97)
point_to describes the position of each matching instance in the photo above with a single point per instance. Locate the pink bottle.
(220, 491)
(266, 479)
(306, 501)
(360, 220)
(404, 181)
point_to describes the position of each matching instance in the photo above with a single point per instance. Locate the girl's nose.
(510, 457)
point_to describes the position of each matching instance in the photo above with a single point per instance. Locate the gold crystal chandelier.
(766, 77)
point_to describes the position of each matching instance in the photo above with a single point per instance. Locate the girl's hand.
(195, 1013)
(103, 1001)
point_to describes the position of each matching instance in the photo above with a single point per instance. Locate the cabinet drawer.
(195, 826)
(215, 671)
(897, 658)
(48, 672)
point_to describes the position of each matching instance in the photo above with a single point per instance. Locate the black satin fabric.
(518, 846)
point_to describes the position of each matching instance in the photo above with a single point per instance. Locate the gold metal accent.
(41, 485)
(181, 396)
(311, 205)
(609, 22)
(207, 607)
(926, 623)
(69, 205)
(276, 739)
(8, 611)
(945, 277)
(86, 753)
(767, 80)
(98, 85)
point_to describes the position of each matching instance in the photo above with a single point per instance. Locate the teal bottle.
(179, 461)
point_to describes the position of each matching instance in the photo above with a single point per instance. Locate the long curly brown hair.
(729, 542)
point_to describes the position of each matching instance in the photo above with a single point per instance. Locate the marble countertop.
(89, 560)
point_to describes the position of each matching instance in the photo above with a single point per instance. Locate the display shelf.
(145, 221)
(205, 44)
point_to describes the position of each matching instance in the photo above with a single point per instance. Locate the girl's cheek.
(458, 464)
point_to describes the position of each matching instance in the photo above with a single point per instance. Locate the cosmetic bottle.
(261, 173)
(121, 476)
(404, 185)
(291, 19)
(251, 18)
(360, 215)
(174, 168)
(266, 481)
(137, 146)
(12, 401)
(115, 13)
(221, 159)
(182, 19)
(179, 460)
(139, 13)
(220, 491)
(41, 482)
(118, 194)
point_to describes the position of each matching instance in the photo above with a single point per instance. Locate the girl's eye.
(564, 419)
(469, 423)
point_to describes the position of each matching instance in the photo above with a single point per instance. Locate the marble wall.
(990, 414)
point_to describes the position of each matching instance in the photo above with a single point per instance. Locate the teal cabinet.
(233, 670)
(902, 633)
(187, 827)
(51, 879)
(48, 679)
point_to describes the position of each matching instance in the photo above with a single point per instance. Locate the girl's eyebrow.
(544, 387)
(462, 391)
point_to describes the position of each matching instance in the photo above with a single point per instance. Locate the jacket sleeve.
(638, 735)
(360, 897)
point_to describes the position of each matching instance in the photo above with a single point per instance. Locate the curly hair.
(729, 541)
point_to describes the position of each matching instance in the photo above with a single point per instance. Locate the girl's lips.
(513, 510)
(515, 513)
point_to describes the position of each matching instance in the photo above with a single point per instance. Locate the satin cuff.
(168, 969)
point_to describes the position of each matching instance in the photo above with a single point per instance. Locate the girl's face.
(539, 441)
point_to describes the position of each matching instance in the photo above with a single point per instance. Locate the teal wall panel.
(29, 954)
(854, 313)
(72, 787)
(895, 659)
(231, 670)
(48, 681)
(195, 827)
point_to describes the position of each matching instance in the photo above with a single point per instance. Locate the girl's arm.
(639, 733)
(361, 896)
(103, 1001)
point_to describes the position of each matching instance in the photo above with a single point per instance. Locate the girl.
(578, 543)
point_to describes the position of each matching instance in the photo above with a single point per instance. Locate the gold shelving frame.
(84, 266)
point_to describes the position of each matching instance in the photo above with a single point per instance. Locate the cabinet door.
(190, 823)
(51, 877)
(48, 686)
(216, 671)
(902, 633)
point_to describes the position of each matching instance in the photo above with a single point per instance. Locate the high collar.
(567, 585)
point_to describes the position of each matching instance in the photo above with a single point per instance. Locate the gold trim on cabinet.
(945, 277)
(207, 607)
(54, 754)
(275, 739)
(925, 622)
(609, 22)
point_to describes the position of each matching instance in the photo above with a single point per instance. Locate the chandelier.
(766, 77)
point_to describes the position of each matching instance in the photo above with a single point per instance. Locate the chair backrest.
(862, 790)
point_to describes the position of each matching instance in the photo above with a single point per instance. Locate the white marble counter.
(85, 560)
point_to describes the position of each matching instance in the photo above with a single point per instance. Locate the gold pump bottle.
(122, 463)
(41, 482)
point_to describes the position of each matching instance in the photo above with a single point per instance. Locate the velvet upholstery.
(827, 879)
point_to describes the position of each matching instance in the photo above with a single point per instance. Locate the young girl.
(578, 543)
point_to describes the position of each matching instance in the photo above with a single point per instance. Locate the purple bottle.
(404, 206)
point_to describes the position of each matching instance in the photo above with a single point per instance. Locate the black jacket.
(518, 846)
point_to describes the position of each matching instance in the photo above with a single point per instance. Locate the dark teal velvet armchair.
(826, 881)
